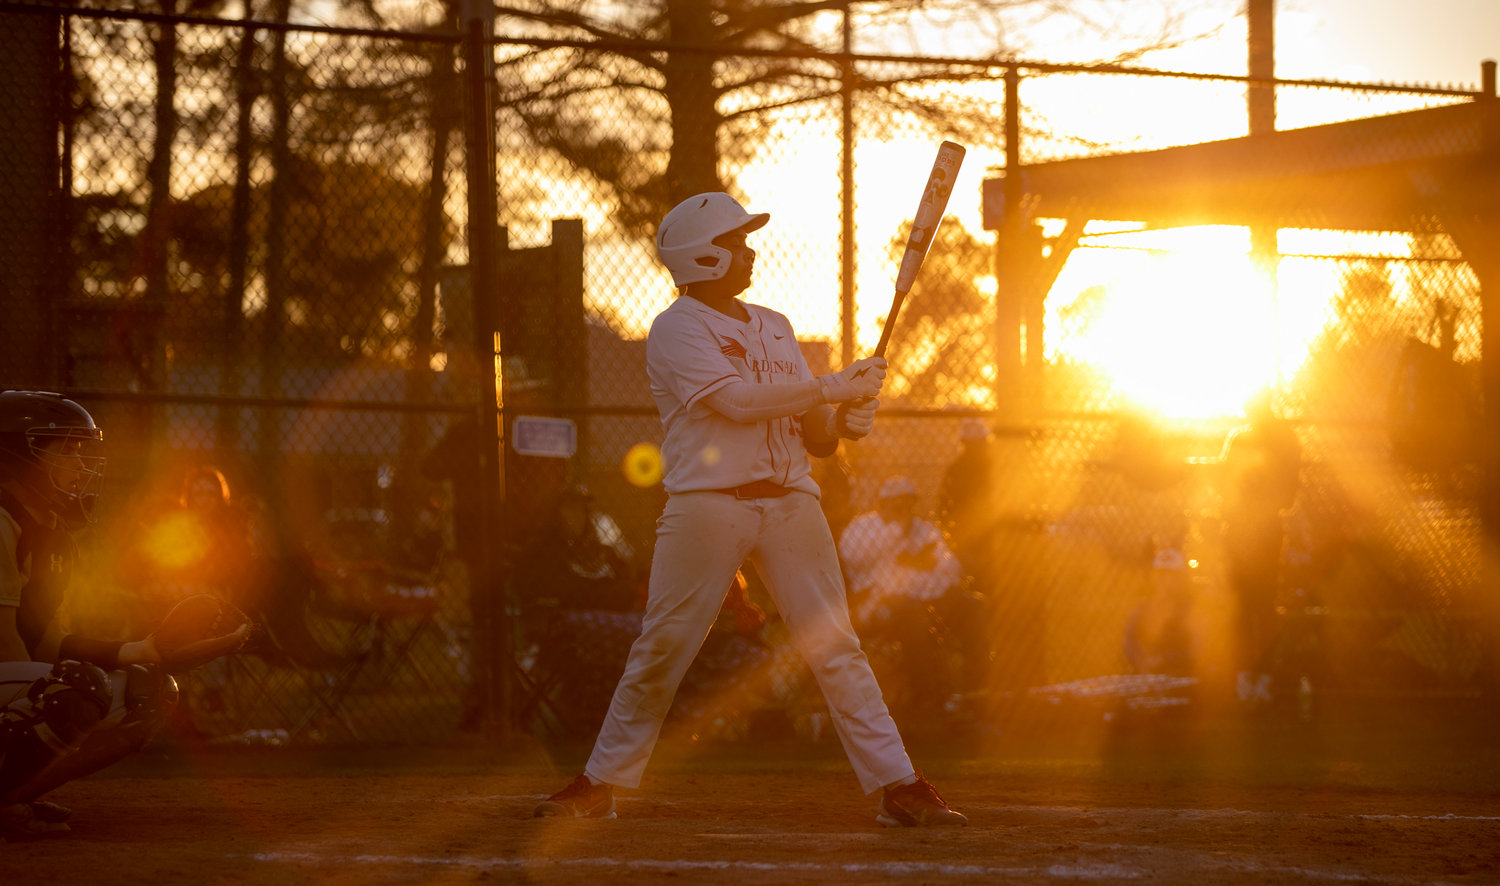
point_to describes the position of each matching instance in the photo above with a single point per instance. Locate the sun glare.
(1181, 322)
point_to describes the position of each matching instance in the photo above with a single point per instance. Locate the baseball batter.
(741, 412)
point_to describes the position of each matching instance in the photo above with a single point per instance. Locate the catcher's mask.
(51, 446)
(684, 239)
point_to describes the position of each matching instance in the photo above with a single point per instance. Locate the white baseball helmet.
(684, 239)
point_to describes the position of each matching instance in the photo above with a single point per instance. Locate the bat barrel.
(935, 193)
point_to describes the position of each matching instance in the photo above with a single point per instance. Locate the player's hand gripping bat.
(935, 193)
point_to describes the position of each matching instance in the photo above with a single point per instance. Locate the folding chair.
(294, 675)
(402, 606)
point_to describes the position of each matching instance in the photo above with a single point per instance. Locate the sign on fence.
(550, 437)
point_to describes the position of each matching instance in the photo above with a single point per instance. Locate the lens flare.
(176, 541)
(642, 465)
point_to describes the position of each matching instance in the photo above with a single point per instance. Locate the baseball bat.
(924, 227)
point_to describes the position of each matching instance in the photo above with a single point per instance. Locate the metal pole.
(1260, 100)
(846, 199)
(1477, 249)
(1012, 314)
(1262, 65)
(479, 127)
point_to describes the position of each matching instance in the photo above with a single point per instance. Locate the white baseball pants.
(701, 539)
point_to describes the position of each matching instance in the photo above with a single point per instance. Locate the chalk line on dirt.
(1071, 871)
(1098, 810)
(1447, 817)
(1076, 870)
(1221, 813)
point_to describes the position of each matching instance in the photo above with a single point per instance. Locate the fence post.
(1487, 225)
(494, 634)
(847, 73)
(1260, 103)
(1010, 293)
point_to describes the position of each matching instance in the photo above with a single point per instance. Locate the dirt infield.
(1409, 800)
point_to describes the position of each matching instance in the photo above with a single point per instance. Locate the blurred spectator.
(1260, 465)
(454, 459)
(1159, 637)
(906, 587)
(576, 558)
(967, 508)
(987, 505)
(892, 554)
(203, 542)
(579, 595)
(1433, 409)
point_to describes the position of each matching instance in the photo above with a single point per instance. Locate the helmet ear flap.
(714, 260)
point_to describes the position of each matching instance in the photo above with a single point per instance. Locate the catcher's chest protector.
(46, 556)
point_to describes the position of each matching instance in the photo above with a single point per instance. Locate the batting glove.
(860, 379)
(854, 420)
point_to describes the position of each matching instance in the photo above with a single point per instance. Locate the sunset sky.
(1404, 41)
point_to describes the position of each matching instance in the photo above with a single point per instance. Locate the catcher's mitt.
(198, 630)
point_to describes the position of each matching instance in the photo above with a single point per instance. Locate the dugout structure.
(1427, 172)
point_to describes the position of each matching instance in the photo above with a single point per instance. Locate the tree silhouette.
(945, 333)
(357, 227)
(655, 124)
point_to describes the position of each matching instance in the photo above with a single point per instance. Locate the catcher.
(71, 705)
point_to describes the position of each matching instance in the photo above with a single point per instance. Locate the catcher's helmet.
(684, 239)
(64, 478)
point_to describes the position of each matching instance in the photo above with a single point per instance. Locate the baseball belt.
(758, 489)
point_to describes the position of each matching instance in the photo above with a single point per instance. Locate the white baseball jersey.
(692, 351)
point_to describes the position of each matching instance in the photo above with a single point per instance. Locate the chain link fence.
(254, 258)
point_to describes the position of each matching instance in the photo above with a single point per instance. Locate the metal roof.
(1388, 173)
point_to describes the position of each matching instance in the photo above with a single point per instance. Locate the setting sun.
(1182, 322)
